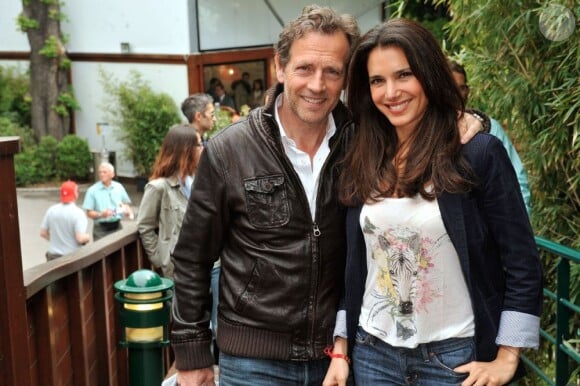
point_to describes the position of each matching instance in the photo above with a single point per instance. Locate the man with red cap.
(65, 224)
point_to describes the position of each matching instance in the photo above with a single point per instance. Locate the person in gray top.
(65, 224)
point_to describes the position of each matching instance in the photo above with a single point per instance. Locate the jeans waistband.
(424, 349)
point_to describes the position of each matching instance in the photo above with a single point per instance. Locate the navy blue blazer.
(490, 230)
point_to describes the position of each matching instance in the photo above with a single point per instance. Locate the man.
(242, 90)
(106, 202)
(460, 76)
(65, 224)
(264, 200)
(223, 98)
(200, 112)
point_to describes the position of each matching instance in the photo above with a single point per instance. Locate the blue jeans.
(431, 364)
(215, 285)
(242, 371)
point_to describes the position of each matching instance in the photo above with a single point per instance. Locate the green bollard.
(144, 299)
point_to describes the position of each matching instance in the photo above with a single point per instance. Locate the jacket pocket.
(267, 201)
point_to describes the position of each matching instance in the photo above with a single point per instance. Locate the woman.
(443, 279)
(258, 93)
(166, 195)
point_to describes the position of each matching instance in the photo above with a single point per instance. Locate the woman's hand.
(495, 373)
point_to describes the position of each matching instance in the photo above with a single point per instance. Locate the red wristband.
(328, 352)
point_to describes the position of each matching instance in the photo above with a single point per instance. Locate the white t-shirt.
(63, 222)
(308, 172)
(415, 291)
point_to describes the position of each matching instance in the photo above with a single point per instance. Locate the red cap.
(68, 192)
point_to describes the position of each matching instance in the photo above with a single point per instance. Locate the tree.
(51, 94)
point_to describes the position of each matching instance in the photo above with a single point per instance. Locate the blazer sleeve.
(502, 208)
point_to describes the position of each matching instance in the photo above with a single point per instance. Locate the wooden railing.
(58, 320)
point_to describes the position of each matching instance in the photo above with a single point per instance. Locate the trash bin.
(102, 156)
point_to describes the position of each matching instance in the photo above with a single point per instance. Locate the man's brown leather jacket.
(282, 270)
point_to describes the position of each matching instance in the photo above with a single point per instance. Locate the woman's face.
(395, 90)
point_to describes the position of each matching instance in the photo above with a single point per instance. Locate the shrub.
(45, 154)
(73, 159)
(14, 96)
(9, 128)
(141, 116)
(27, 168)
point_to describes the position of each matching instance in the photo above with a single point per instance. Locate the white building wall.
(149, 26)
(11, 39)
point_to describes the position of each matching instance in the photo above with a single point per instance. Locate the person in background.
(223, 98)
(443, 280)
(258, 94)
(242, 90)
(166, 194)
(107, 202)
(65, 224)
(460, 77)
(200, 112)
(211, 89)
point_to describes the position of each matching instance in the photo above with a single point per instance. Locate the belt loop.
(425, 352)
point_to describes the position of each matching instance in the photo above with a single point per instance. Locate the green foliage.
(65, 64)
(66, 102)
(28, 170)
(530, 83)
(45, 154)
(15, 102)
(36, 163)
(432, 16)
(9, 128)
(223, 118)
(142, 117)
(73, 159)
(52, 47)
(25, 23)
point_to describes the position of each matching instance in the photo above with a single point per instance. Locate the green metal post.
(144, 315)
(146, 367)
(562, 321)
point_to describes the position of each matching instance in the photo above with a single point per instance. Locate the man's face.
(206, 119)
(105, 174)
(463, 87)
(313, 79)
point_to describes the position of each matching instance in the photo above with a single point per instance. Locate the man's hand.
(196, 377)
(468, 127)
(337, 373)
(495, 373)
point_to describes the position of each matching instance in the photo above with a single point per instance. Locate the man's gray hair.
(316, 19)
(195, 103)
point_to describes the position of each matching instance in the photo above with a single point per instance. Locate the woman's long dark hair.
(178, 155)
(433, 156)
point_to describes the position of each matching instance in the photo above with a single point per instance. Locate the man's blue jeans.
(241, 371)
(215, 287)
(431, 364)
